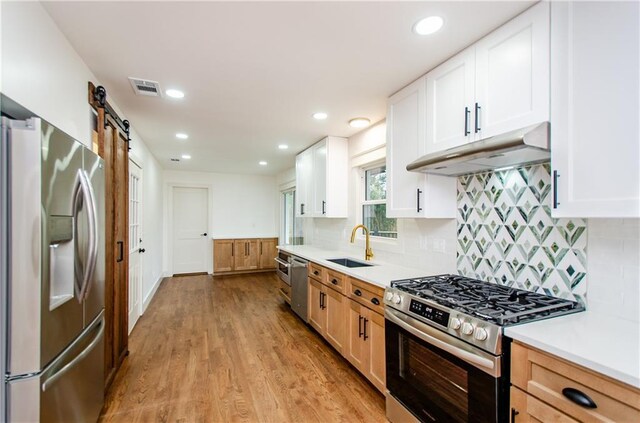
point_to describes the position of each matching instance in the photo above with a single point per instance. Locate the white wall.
(42, 72)
(241, 206)
(419, 240)
(613, 267)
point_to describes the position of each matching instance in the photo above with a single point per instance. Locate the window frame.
(362, 201)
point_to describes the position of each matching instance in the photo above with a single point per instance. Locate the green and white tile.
(506, 234)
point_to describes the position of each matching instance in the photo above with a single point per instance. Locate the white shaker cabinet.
(330, 177)
(304, 183)
(512, 74)
(595, 143)
(499, 84)
(411, 194)
(450, 94)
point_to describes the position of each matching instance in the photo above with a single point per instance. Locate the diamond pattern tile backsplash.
(506, 234)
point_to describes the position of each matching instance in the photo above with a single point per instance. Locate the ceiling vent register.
(145, 87)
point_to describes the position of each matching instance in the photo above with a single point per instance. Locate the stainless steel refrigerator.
(52, 269)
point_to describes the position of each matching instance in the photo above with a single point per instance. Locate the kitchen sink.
(347, 262)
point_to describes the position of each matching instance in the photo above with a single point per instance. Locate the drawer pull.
(334, 281)
(579, 397)
(375, 301)
(358, 292)
(315, 272)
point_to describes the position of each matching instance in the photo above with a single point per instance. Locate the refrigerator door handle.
(83, 190)
(57, 375)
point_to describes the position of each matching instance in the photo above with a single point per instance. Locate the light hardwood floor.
(227, 349)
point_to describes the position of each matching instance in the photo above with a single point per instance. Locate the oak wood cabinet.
(541, 384)
(327, 312)
(244, 255)
(349, 314)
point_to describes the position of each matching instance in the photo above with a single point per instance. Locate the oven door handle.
(460, 349)
(282, 262)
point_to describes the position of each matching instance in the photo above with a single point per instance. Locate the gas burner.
(498, 304)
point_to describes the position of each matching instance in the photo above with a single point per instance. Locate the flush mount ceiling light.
(283, 146)
(320, 115)
(428, 25)
(262, 163)
(186, 156)
(359, 122)
(182, 136)
(174, 93)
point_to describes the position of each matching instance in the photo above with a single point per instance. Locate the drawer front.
(335, 280)
(368, 295)
(545, 377)
(285, 291)
(316, 272)
(528, 409)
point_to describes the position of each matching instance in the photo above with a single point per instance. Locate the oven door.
(283, 264)
(439, 378)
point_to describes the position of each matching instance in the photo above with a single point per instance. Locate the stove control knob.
(456, 323)
(396, 299)
(467, 328)
(480, 334)
(388, 296)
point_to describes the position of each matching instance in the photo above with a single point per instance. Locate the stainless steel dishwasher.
(299, 286)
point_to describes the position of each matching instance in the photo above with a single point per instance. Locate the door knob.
(141, 250)
(204, 234)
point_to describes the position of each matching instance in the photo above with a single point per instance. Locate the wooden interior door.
(121, 231)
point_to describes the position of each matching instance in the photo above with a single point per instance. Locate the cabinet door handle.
(358, 292)
(556, 175)
(514, 413)
(375, 301)
(364, 331)
(324, 300)
(579, 398)
(467, 112)
(302, 208)
(232, 250)
(260, 247)
(359, 326)
(478, 108)
(324, 209)
(418, 192)
(334, 281)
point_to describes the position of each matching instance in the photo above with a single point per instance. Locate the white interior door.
(190, 216)
(135, 244)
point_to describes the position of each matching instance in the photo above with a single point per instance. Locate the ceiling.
(253, 73)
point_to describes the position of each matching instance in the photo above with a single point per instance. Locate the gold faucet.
(368, 253)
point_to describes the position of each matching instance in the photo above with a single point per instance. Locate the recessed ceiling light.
(283, 146)
(174, 93)
(262, 163)
(359, 122)
(186, 156)
(320, 115)
(428, 25)
(182, 136)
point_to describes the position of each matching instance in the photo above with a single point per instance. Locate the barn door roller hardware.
(100, 97)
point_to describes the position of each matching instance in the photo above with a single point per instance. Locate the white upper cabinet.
(499, 84)
(595, 146)
(512, 74)
(304, 183)
(322, 179)
(411, 194)
(330, 176)
(450, 94)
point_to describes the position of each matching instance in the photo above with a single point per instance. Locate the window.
(291, 225)
(374, 205)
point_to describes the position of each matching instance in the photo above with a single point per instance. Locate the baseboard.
(148, 298)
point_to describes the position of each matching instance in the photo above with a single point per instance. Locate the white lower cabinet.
(595, 105)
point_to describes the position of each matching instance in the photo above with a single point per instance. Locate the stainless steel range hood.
(526, 145)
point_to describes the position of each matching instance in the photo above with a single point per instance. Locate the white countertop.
(380, 273)
(602, 343)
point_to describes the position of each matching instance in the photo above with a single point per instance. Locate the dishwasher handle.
(296, 262)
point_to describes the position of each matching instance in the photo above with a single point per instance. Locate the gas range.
(470, 309)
